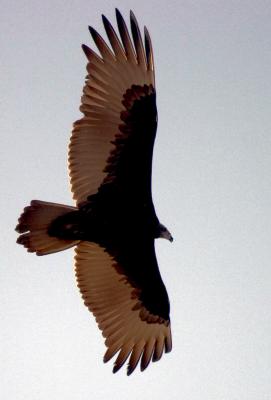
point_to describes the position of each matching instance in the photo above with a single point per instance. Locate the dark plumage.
(114, 224)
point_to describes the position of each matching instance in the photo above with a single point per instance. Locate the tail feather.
(33, 225)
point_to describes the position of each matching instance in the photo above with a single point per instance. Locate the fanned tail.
(33, 226)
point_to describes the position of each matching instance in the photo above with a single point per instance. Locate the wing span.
(131, 310)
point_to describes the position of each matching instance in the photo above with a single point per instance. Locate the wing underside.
(127, 325)
(110, 75)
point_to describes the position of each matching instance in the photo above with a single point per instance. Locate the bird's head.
(164, 233)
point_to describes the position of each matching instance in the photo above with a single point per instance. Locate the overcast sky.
(212, 189)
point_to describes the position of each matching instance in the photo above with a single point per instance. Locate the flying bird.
(114, 224)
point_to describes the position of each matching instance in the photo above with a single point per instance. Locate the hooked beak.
(167, 235)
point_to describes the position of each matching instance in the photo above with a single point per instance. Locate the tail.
(33, 225)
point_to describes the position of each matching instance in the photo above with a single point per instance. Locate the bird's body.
(105, 218)
(114, 224)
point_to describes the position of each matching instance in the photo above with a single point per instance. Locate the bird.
(113, 225)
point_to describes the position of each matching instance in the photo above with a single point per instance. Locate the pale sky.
(211, 184)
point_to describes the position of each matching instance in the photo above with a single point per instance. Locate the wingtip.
(116, 368)
(144, 366)
(106, 23)
(132, 15)
(119, 16)
(86, 50)
(133, 19)
(147, 38)
(131, 367)
(106, 357)
(105, 20)
(92, 31)
(95, 35)
(146, 32)
(129, 371)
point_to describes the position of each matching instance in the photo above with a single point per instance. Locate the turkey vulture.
(114, 223)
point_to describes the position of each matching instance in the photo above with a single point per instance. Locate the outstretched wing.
(129, 300)
(114, 139)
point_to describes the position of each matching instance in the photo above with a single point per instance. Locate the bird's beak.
(167, 235)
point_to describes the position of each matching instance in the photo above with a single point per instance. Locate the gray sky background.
(212, 188)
